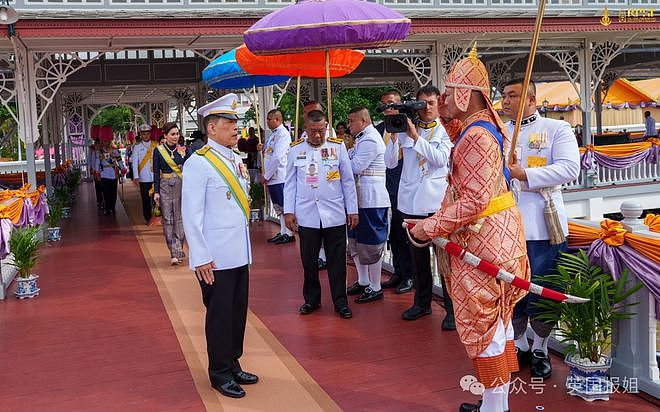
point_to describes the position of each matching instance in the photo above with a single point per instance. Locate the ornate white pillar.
(27, 105)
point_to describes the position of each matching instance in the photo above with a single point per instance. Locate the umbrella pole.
(261, 152)
(327, 90)
(528, 76)
(295, 133)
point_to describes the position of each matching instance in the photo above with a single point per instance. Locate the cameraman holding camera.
(426, 148)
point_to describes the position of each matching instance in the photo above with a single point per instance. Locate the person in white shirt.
(547, 157)
(215, 218)
(143, 169)
(649, 125)
(319, 193)
(275, 154)
(367, 242)
(426, 148)
(308, 107)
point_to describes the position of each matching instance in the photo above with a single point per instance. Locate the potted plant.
(53, 218)
(256, 201)
(72, 183)
(586, 328)
(62, 196)
(24, 245)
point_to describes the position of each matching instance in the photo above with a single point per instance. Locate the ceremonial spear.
(473, 260)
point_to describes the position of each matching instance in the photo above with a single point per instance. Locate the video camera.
(397, 123)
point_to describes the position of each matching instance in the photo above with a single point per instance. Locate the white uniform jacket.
(424, 175)
(548, 151)
(368, 164)
(216, 228)
(105, 162)
(140, 150)
(275, 155)
(319, 187)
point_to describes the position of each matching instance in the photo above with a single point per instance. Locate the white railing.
(18, 167)
(640, 173)
(643, 172)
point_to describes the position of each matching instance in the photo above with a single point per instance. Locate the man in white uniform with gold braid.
(548, 157)
(426, 148)
(215, 218)
(367, 242)
(143, 167)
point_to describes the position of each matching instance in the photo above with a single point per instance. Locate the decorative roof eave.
(100, 28)
(523, 25)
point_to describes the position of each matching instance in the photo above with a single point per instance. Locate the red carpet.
(98, 337)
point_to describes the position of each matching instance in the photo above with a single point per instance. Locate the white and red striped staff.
(494, 271)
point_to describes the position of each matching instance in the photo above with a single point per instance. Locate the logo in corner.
(606, 20)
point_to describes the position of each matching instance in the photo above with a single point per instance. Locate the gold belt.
(168, 175)
(498, 204)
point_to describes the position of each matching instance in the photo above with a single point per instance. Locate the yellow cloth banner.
(11, 201)
(653, 222)
(613, 234)
(620, 150)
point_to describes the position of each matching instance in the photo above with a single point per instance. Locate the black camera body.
(398, 123)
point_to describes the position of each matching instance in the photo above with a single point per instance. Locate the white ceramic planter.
(589, 382)
(27, 287)
(54, 234)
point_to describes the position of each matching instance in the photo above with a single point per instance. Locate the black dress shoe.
(524, 357)
(231, 389)
(405, 286)
(541, 367)
(415, 312)
(308, 308)
(275, 238)
(369, 296)
(448, 323)
(470, 407)
(285, 239)
(355, 289)
(392, 282)
(245, 378)
(345, 312)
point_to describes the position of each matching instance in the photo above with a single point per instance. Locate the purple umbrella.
(310, 25)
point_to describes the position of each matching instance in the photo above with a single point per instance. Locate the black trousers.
(98, 187)
(109, 187)
(146, 200)
(334, 242)
(401, 259)
(226, 302)
(421, 262)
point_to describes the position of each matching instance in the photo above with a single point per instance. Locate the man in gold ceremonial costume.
(479, 213)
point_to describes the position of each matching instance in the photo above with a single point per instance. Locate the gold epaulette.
(338, 140)
(203, 150)
(296, 142)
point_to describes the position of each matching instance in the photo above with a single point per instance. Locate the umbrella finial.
(473, 52)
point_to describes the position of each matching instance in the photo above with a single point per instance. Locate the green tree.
(119, 117)
(342, 103)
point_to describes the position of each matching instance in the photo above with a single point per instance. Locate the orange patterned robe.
(475, 178)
